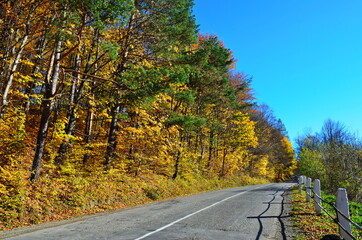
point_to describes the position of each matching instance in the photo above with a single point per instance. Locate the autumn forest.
(103, 101)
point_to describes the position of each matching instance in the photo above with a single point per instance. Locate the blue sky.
(305, 57)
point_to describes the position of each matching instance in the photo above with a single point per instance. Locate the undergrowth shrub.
(60, 195)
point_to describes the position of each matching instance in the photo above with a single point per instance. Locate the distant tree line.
(333, 155)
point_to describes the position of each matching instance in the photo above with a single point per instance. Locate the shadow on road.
(279, 217)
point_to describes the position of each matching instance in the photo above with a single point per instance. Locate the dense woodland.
(95, 91)
(333, 155)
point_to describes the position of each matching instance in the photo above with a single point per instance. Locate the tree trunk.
(47, 106)
(66, 145)
(202, 152)
(90, 113)
(209, 163)
(112, 138)
(41, 139)
(4, 101)
(222, 174)
(139, 164)
(88, 133)
(177, 164)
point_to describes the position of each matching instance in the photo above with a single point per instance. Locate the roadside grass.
(53, 199)
(313, 227)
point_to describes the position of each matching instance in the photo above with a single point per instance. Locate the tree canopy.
(126, 86)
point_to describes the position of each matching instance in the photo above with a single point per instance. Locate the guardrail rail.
(341, 206)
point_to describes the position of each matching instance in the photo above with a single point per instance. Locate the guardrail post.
(308, 190)
(342, 206)
(300, 182)
(317, 196)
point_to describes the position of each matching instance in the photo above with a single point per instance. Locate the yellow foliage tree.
(239, 136)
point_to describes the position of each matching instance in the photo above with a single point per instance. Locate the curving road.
(252, 212)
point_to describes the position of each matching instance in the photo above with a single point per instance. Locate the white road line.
(194, 213)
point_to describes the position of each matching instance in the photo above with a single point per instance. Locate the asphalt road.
(252, 212)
